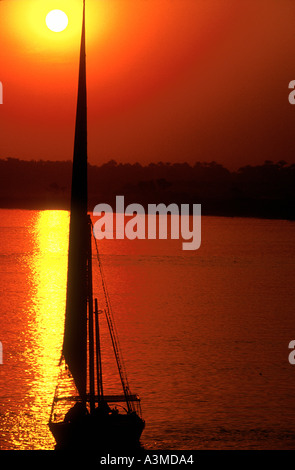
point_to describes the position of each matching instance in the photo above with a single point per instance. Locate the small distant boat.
(88, 418)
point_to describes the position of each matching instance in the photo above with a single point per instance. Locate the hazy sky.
(170, 80)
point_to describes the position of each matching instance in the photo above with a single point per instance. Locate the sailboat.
(88, 418)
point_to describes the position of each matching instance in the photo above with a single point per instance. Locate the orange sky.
(170, 80)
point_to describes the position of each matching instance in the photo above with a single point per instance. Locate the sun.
(57, 20)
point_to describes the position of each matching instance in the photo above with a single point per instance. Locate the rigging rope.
(114, 334)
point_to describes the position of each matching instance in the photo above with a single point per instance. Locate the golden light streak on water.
(48, 266)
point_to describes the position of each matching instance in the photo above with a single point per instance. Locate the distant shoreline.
(265, 191)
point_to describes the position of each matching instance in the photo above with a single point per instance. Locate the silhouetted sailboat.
(89, 418)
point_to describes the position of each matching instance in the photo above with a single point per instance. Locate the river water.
(204, 333)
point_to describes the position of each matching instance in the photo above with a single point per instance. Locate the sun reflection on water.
(48, 266)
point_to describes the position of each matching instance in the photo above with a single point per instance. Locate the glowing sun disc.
(57, 20)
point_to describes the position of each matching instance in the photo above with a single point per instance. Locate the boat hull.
(92, 432)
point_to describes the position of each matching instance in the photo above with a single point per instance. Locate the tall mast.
(98, 355)
(75, 335)
(91, 344)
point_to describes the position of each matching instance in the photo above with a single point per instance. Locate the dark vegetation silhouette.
(266, 190)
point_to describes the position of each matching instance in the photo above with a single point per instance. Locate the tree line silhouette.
(266, 190)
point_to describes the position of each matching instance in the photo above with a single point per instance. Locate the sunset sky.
(168, 80)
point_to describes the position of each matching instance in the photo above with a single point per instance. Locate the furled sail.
(75, 335)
